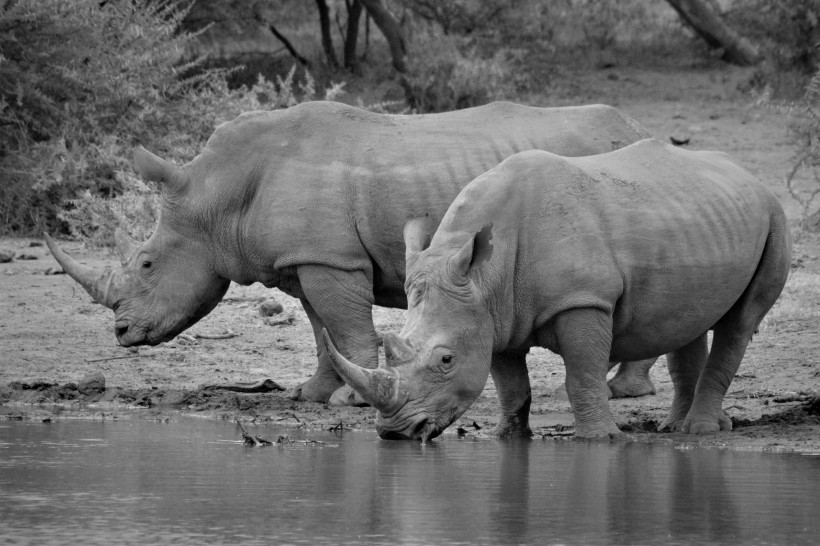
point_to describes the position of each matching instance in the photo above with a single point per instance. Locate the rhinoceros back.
(334, 185)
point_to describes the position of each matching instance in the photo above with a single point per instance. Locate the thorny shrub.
(94, 217)
(446, 72)
(804, 134)
(81, 83)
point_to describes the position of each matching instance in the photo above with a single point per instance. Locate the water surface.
(192, 482)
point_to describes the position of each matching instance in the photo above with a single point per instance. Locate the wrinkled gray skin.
(623, 256)
(312, 200)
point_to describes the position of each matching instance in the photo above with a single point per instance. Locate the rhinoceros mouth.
(420, 429)
(128, 334)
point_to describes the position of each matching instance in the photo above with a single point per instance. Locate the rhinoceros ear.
(417, 235)
(154, 168)
(476, 252)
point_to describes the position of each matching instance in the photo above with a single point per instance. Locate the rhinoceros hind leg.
(341, 302)
(584, 338)
(512, 383)
(685, 366)
(706, 412)
(733, 332)
(632, 379)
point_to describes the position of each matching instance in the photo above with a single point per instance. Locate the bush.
(787, 31)
(804, 135)
(81, 83)
(76, 79)
(446, 73)
(94, 217)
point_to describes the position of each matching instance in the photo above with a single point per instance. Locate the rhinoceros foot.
(706, 424)
(598, 432)
(632, 380)
(319, 388)
(512, 428)
(346, 396)
(623, 387)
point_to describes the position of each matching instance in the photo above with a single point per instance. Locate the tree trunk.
(354, 13)
(392, 32)
(327, 39)
(708, 24)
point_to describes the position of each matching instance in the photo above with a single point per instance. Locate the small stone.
(6, 256)
(283, 321)
(270, 307)
(91, 384)
(55, 271)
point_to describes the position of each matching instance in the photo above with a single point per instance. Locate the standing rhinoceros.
(312, 200)
(621, 256)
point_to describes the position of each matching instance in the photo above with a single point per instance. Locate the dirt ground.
(53, 338)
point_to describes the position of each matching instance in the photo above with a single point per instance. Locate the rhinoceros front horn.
(379, 388)
(97, 284)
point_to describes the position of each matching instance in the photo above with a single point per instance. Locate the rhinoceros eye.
(446, 359)
(146, 264)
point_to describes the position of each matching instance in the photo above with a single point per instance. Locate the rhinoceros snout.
(420, 429)
(120, 329)
(127, 335)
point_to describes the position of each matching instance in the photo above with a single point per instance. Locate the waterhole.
(192, 481)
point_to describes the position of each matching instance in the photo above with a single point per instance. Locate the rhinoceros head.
(439, 363)
(165, 284)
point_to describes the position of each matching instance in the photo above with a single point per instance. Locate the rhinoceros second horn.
(125, 245)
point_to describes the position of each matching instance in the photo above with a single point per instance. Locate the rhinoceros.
(312, 200)
(622, 256)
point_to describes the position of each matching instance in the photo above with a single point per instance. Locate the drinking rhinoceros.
(620, 256)
(312, 200)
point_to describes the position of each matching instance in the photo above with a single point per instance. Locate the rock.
(56, 270)
(92, 384)
(284, 321)
(813, 406)
(6, 256)
(270, 307)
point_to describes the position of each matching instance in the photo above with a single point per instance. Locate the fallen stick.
(90, 360)
(249, 440)
(266, 385)
(227, 335)
(793, 398)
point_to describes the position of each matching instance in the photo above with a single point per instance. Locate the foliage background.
(84, 81)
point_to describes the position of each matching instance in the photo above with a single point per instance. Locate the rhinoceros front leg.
(512, 383)
(685, 366)
(341, 302)
(632, 379)
(584, 339)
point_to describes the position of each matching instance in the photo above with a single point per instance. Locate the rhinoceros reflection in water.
(622, 256)
(312, 200)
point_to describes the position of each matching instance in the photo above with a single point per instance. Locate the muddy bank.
(792, 425)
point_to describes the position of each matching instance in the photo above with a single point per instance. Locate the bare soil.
(53, 337)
